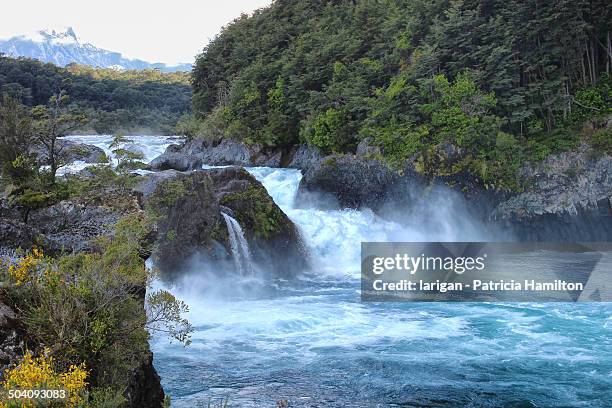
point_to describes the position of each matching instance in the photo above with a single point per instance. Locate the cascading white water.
(311, 339)
(149, 146)
(315, 343)
(239, 246)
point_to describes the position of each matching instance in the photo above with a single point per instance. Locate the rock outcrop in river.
(193, 153)
(274, 239)
(188, 207)
(568, 195)
(70, 151)
(568, 198)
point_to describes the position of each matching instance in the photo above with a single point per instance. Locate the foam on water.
(239, 245)
(315, 343)
(312, 341)
(149, 146)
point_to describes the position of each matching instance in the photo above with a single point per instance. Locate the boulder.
(70, 151)
(189, 220)
(305, 157)
(274, 240)
(135, 148)
(228, 152)
(569, 198)
(353, 181)
(190, 223)
(176, 161)
(264, 157)
(193, 153)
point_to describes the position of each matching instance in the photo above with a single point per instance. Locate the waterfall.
(329, 334)
(239, 245)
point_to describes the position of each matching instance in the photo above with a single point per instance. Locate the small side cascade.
(239, 245)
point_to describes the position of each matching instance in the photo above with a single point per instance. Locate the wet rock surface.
(274, 239)
(569, 198)
(358, 182)
(144, 387)
(188, 217)
(194, 153)
(190, 223)
(176, 161)
(70, 152)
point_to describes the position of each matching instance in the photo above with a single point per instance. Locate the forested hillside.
(498, 81)
(128, 101)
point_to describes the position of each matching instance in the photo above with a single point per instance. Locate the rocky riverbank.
(189, 206)
(567, 197)
(188, 210)
(72, 226)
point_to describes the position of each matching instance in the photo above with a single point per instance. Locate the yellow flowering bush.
(24, 270)
(39, 373)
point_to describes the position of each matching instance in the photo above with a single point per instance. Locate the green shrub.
(602, 140)
(326, 131)
(90, 307)
(188, 125)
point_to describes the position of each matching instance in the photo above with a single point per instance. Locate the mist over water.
(240, 247)
(311, 340)
(149, 146)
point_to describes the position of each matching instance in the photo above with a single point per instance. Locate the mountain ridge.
(62, 47)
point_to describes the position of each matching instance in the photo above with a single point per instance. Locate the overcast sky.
(169, 31)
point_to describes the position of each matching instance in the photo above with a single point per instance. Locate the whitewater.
(313, 342)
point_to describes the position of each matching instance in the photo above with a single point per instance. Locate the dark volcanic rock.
(71, 226)
(261, 156)
(67, 226)
(569, 195)
(196, 152)
(274, 239)
(569, 198)
(190, 222)
(354, 182)
(228, 152)
(144, 387)
(305, 158)
(177, 161)
(189, 218)
(231, 152)
(14, 234)
(72, 151)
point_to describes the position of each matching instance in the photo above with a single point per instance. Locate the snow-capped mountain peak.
(62, 46)
(66, 36)
(59, 35)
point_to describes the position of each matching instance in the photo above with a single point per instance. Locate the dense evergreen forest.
(127, 101)
(499, 81)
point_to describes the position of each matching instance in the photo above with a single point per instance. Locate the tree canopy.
(417, 73)
(113, 100)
